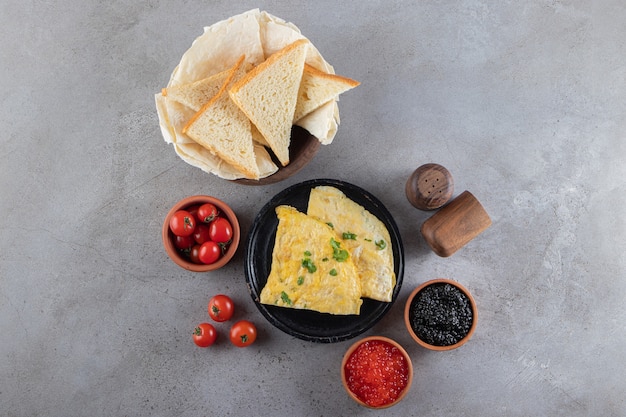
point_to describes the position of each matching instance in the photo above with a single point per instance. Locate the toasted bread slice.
(197, 94)
(222, 128)
(268, 95)
(318, 88)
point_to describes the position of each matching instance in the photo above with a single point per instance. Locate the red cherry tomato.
(204, 335)
(221, 307)
(243, 333)
(207, 212)
(201, 234)
(182, 223)
(209, 252)
(193, 210)
(194, 254)
(183, 243)
(220, 230)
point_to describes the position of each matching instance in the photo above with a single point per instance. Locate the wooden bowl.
(302, 149)
(181, 260)
(440, 347)
(397, 349)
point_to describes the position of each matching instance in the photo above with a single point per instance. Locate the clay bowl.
(364, 348)
(182, 260)
(302, 149)
(433, 327)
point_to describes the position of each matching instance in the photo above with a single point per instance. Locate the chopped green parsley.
(340, 255)
(309, 265)
(285, 298)
(333, 272)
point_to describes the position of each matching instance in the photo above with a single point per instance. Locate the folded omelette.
(311, 269)
(363, 234)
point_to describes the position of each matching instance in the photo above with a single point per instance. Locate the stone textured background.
(524, 102)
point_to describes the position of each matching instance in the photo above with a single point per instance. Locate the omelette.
(363, 234)
(311, 269)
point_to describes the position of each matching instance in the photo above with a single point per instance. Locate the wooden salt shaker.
(455, 225)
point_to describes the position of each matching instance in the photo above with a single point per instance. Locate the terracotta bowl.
(388, 344)
(180, 259)
(459, 337)
(302, 149)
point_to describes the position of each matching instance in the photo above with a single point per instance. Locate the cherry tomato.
(201, 234)
(194, 254)
(220, 230)
(243, 333)
(207, 212)
(204, 335)
(209, 252)
(183, 242)
(193, 210)
(221, 307)
(182, 223)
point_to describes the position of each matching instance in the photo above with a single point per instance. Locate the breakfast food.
(243, 333)
(329, 258)
(224, 129)
(441, 314)
(363, 234)
(310, 269)
(265, 43)
(201, 239)
(268, 95)
(177, 116)
(318, 88)
(204, 335)
(378, 372)
(197, 94)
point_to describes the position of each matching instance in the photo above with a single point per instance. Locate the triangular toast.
(268, 95)
(221, 127)
(318, 88)
(197, 94)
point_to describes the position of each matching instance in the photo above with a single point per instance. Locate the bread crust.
(265, 64)
(277, 136)
(251, 171)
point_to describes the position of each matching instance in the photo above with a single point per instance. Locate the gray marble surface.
(524, 102)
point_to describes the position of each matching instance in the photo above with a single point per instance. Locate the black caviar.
(441, 314)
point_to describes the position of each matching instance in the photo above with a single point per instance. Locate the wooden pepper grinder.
(455, 225)
(429, 187)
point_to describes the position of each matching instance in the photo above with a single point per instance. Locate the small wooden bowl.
(391, 342)
(182, 261)
(407, 314)
(302, 149)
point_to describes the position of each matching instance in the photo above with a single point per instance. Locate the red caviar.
(377, 372)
